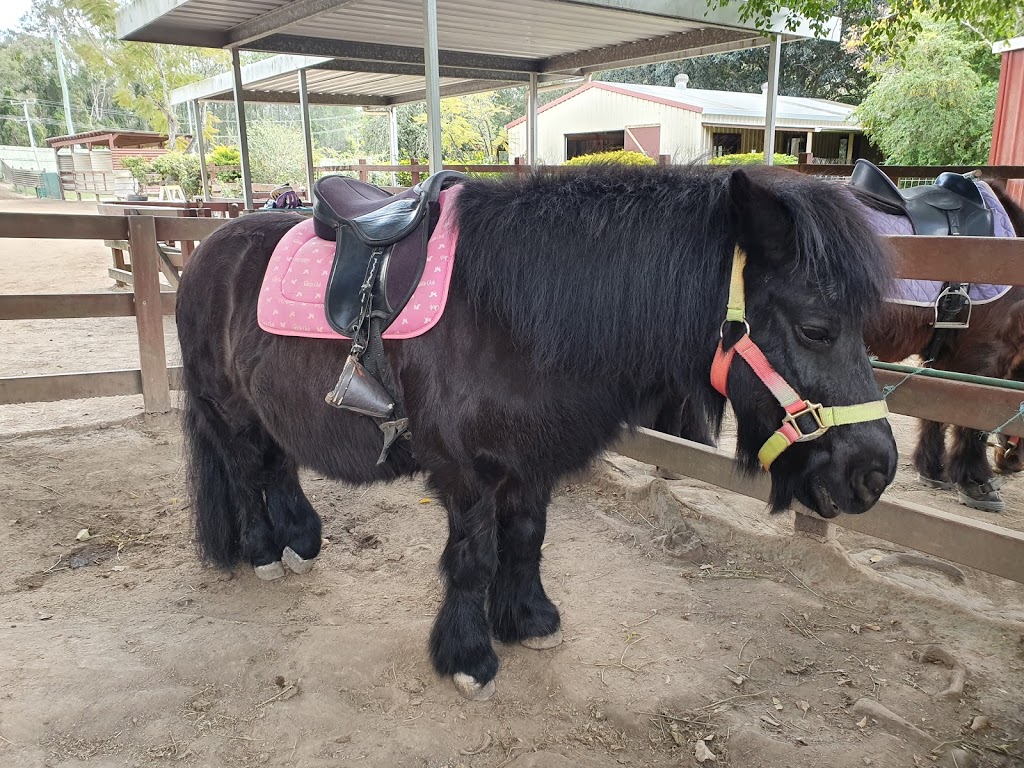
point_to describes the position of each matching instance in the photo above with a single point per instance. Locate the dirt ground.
(692, 620)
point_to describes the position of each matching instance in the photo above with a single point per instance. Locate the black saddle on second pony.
(368, 222)
(951, 206)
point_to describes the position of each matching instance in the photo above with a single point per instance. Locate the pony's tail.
(209, 481)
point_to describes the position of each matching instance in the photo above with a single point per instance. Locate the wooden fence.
(985, 260)
(147, 303)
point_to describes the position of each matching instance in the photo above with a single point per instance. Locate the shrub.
(623, 156)
(181, 168)
(751, 158)
(223, 155)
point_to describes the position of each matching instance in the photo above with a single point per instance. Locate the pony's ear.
(762, 225)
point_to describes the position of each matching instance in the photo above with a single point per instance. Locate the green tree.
(934, 103)
(887, 33)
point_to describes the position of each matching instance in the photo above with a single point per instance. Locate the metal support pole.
(771, 98)
(307, 133)
(393, 141)
(204, 175)
(63, 85)
(28, 125)
(531, 121)
(243, 134)
(433, 78)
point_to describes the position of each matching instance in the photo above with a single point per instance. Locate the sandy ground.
(688, 613)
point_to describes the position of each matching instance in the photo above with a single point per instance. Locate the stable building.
(687, 124)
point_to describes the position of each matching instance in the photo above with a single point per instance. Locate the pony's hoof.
(295, 563)
(984, 496)
(543, 643)
(931, 482)
(269, 572)
(471, 689)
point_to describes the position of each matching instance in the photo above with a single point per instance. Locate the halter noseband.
(795, 406)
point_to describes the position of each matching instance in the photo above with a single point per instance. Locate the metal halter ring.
(721, 328)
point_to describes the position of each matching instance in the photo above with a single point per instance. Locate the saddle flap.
(391, 223)
(936, 197)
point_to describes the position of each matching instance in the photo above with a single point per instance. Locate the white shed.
(686, 124)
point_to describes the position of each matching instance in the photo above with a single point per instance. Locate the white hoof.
(269, 572)
(543, 643)
(471, 689)
(295, 563)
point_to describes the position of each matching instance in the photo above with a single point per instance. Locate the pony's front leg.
(460, 642)
(519, 609)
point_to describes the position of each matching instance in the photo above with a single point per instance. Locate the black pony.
(577, 300)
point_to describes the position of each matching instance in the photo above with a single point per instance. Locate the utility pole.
(28, 124)
(63, 85)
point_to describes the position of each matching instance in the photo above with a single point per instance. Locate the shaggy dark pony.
(577, 300)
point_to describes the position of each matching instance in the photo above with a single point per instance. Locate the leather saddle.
(376, 232)
(951, 206)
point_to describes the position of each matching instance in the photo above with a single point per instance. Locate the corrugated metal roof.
(494, 36)
(718, 107)
(529, 28)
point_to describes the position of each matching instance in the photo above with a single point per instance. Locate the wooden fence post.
(156, 388)
(414, 163)
(363, 175)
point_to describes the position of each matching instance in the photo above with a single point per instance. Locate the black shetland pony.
(577, 299)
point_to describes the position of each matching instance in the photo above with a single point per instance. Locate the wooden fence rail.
(990, 548)
(987, 547)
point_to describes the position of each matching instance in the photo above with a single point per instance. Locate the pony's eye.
(813, 333)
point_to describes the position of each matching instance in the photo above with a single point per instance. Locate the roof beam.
(399, 54)
(783, 21)
(394, 68)
(289, 97)
(447, 91)
(674, 46)
(273, 22)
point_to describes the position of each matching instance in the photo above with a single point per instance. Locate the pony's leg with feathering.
(460, 642)
(970, 470)
(930, 455)
(296, 524)
(518, 607)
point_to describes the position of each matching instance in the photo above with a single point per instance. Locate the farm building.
(91, 161)
(687, 124)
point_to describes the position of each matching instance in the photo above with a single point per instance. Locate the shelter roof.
(483, 44)
(119, 138)
(720, 106)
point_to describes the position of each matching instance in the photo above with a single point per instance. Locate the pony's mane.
(610, 269)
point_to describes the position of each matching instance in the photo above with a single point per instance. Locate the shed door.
(644, 138)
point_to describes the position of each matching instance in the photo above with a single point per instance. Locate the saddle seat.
(367, 222)
(953, 205)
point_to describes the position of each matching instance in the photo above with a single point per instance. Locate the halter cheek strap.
(795, 406)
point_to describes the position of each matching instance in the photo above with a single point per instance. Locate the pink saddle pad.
(292, 297)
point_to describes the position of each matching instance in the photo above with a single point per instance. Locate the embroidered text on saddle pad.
(923, 293)
(292, 297)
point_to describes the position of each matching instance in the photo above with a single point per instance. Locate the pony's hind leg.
(297, 526)
(226, 464)
(970, 470)
(930, 455)
(518, 608)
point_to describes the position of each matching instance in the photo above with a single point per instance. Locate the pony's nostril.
(868, 485)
